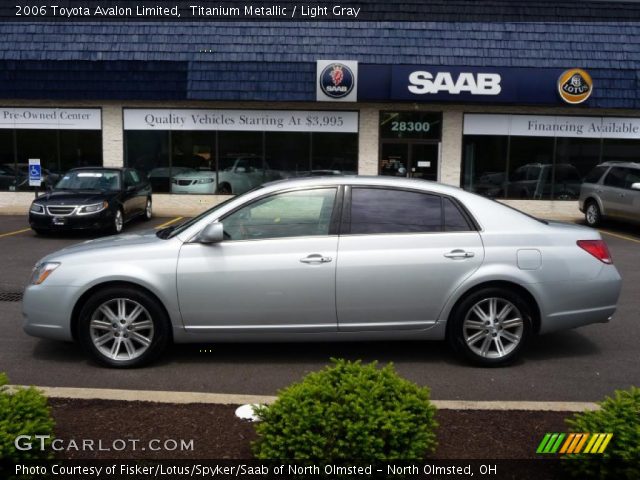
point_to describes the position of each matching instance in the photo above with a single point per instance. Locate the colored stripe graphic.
(574, 443)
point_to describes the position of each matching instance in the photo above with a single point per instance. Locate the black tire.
(592, 214)
(148, 212)
(493, 333)
(39, 231)
(159, 337)
(224, 189)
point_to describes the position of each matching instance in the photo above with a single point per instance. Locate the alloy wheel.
(493, 328)
(121, 329)
(593, 214)
(118, 222)
(147, 210)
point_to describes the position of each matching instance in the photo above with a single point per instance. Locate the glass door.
(409, 159)
(424, 161)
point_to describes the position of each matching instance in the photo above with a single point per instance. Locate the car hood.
(115, 241)
(79, 197)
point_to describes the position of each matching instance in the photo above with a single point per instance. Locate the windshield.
(104, 180)
(174, 230)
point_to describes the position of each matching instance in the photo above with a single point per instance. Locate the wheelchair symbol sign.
(35, 172)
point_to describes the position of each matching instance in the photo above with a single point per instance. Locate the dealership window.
(225, 158)
(539, 157)
(60, 138)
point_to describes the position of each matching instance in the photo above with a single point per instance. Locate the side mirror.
(212, 233)
(635, 186)
(131, 188)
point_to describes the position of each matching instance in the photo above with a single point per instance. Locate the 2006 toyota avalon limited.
(333, 258)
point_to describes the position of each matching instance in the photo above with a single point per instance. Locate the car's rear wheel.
(148, 213)
(123, 327)
(491, 326)
(592, 214)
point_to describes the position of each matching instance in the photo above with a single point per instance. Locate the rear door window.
(379, 210)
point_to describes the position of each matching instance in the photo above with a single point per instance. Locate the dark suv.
(611, 190)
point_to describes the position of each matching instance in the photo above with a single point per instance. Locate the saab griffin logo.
(336, 80)
(575, 86)
(562, 443)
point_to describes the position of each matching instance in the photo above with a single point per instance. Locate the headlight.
(37, 209)
(94, 208)
(205, 180)
(42, 271)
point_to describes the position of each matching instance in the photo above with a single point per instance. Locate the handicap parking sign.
(35, 172)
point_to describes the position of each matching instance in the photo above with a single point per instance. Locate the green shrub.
(348, 411)
(23, 412)
(619, 415)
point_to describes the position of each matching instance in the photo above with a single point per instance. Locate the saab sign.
(422, 82)
(491, 85)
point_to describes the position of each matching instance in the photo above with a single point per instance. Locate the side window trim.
(345, 227)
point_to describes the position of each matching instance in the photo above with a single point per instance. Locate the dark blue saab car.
(92, 198)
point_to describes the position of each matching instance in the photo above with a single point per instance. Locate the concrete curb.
(234, 399)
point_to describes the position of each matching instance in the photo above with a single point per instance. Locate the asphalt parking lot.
(578, 365)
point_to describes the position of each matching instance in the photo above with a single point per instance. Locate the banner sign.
(552, 126)
(50, 118)
(241, 120)
(493, 85)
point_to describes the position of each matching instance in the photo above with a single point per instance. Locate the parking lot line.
(166, 224)
(14, 233)
(617, 235)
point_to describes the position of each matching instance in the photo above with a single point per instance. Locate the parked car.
(10, 179)
(327, 259)
(611, 190)
(92, 199)
(237, 174)
(160, 177)
(535, 180)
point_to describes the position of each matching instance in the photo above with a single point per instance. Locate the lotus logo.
(336, 80)
(575, 86)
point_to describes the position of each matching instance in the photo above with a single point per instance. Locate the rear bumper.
(582, 303)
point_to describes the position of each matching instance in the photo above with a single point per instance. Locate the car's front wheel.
(118, 222)
(123, 327)
(592, 214)
(491, 326)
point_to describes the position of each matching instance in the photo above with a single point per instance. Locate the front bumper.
(98, 221)
(47, 311)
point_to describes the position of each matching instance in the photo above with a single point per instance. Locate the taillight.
(597, 248)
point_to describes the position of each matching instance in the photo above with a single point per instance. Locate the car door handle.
(316, 258)
(456, 254)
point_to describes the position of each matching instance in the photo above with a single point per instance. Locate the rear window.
(594, 175)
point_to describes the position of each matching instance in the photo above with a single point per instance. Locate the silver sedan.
(328, 259)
